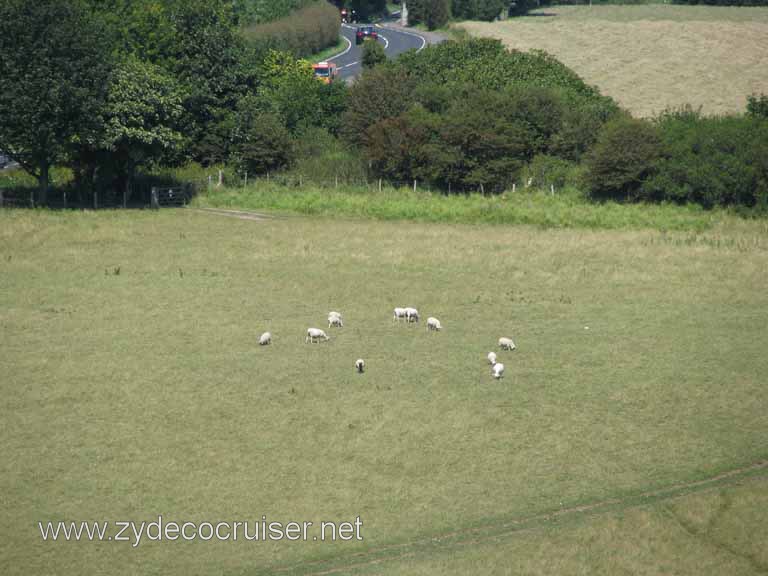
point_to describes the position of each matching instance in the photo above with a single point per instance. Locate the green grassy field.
(651, 57)
(133, 386)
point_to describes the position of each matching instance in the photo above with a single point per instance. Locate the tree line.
(108, 88)
(114, 93)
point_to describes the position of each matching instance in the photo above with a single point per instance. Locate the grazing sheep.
(506, 344)
(497, 370)
(334, 319)
(411, 315)
(399, 313)
(360, 365)
(315, 334)
(433, 324)
(491, 358)
(265, 339)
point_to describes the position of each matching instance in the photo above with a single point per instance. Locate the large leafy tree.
(210, 61)
(137, 123)
(54, 67)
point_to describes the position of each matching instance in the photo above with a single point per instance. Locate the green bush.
(263, 144)
(545, 171)
(486, 63)
(757, 105)
(373, 54)
(713, 161)
(433, 13)
(486, 10)
(258, 11)
(304, 32)
(622, 159)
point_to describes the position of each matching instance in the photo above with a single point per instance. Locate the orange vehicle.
(326, 72)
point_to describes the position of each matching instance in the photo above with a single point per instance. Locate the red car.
(365, 32)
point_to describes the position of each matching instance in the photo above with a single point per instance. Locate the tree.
(289, 87)
(373, 54)
(261, 141)
(623, 158)
(54, 70)
(433, 13)
(139, 119)
(210, 62)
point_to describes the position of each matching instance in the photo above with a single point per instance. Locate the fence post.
(514, 187)
(379, 184)
(65, 199)
(154, 201)
(337, 180)
(552, 189)
(267, 176)
(125, 197)
(32, 198)
(246, 180)
(414, 184)
(300, 183)
(95, 200)
(210, 181)
(221, 179)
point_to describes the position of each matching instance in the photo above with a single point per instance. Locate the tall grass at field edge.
(564, 209)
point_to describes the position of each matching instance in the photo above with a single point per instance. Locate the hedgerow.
(304, 32)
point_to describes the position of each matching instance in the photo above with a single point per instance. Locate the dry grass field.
(132, 386)
(652, 57)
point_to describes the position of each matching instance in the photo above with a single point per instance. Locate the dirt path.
(240, 214)
(476, 535)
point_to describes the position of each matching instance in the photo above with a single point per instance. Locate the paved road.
(394, 41)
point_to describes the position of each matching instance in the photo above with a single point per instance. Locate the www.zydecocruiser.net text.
(263, 530)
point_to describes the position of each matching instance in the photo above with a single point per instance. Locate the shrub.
(302, 33)
(486, 10)
(263, 144)
(478, 143)
(757, 105)
(544, 171)
(255, 11)
(373, 54)
(433, 13)
(622, 159)
(380, 93)
(711, 161)
(486, 63)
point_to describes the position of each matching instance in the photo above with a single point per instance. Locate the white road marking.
(386, 42)
(348, 65)
(419, 36)
(349, 47)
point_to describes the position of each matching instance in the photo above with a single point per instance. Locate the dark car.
(365, 32)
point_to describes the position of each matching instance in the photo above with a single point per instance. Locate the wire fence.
(297, 181)
(154, 193)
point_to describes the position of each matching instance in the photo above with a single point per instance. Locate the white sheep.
(491, 358)
(497, 370)
(360, 365)
(411, 315)
(399, 313)
(265, 339)
(314, 334)
(506, 344)
(433, 324)
(334, 319)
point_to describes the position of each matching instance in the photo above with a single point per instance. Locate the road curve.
(395, 42)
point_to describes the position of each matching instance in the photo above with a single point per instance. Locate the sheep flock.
(410, 316)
